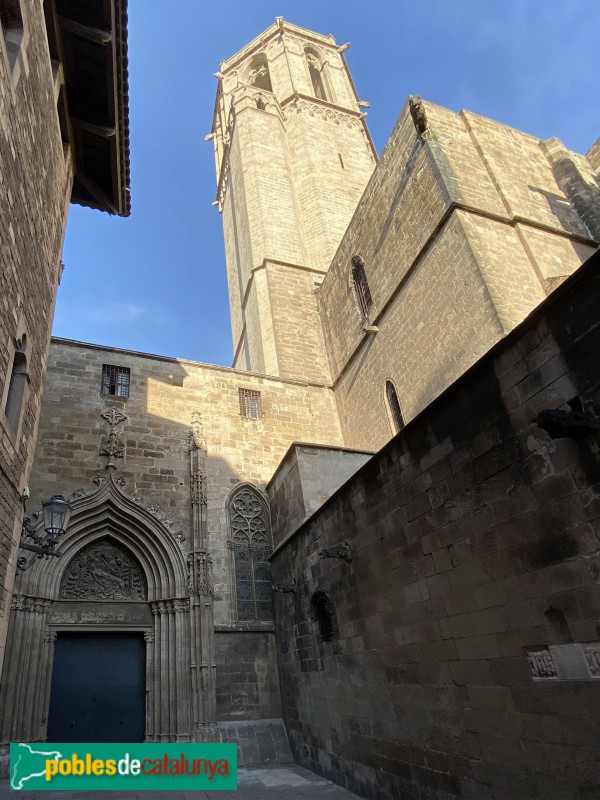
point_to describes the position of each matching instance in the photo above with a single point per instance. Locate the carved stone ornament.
(112, 447)
(103, 571)
(342, 550)
(114, 417)
(541, 663)
(199, 574)
(196, 436)
(592, 655)
(198, 488)
(285, 587)
(21, 602)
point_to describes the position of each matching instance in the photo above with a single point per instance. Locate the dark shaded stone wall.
(247, 683)
(35, 186)
(465, 660)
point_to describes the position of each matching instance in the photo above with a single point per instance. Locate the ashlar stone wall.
(170, 401)
(35, 187)
(464, 228)
(456, 654)
(291, 168)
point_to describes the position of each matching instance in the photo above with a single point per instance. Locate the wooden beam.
(93, 34)
(97, 193)
(105, 131)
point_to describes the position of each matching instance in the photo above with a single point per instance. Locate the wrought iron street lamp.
(57, 513)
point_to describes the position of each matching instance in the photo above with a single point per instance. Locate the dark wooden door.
(98, 688)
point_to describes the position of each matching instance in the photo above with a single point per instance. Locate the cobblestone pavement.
(264, 783)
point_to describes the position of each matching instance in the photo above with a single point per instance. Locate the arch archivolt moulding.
(107, 512)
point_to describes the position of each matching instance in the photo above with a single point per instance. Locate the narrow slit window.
(250, 404)
(361, 286)
(394, 407)
(115, 380)
(17, 385)
(323, 615)
(315, 70)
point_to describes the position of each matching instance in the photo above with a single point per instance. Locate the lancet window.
(361, 286)
(394, 409)
(315, 70)
(251, 544)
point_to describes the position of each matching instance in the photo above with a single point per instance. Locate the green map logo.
(82, 767)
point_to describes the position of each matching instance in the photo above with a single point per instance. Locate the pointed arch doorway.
(119, 593)
(98, 682)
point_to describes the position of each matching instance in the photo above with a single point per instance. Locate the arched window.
(258, 74)
(251, 544)
(393, 405)
(361, 287)
(323, 614)
(17, 384)
(315, 70)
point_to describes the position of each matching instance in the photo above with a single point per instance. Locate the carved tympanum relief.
(103, 571)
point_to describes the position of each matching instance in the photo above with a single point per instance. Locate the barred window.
(250, 542)
(394, 407)
(115, 380)
(361, 286)
(250, 405)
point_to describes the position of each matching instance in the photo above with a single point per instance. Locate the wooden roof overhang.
(89, 39)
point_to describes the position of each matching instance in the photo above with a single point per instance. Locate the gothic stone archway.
(121, 571)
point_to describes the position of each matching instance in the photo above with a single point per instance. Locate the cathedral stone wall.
(169, 400)
(247, 678)
(155, 466)
(457, 653)
(463, 229)
(34, 194)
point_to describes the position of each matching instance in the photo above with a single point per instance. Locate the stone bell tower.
(293, 155)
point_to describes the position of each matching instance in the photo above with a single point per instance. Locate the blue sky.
(156, 281)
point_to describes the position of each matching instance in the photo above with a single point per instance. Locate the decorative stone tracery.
(250, 542)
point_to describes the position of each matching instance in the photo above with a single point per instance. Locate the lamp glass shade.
(57, 513)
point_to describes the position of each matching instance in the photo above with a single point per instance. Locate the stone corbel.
(342, 550)
(285, 587)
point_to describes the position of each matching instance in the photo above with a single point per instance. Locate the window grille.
(361, 287)
(251, 548)
(394, 406)
(250, 404)
(115, 380)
